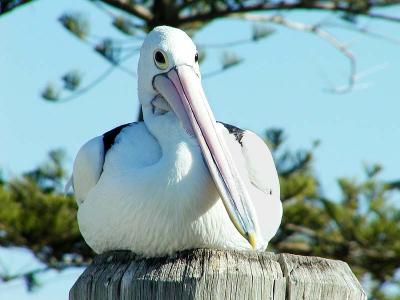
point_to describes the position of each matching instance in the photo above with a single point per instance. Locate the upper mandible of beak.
(181, 87)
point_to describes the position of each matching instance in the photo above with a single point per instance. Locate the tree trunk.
(215, 274)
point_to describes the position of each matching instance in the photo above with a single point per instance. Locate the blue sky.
(280, 84)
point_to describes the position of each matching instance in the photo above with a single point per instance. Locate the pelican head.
(169, 83)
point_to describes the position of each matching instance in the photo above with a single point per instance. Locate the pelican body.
(179, 179)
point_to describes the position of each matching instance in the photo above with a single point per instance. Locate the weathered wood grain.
(315, 278)
(215, 274)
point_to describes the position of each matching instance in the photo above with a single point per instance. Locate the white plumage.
(152, 191)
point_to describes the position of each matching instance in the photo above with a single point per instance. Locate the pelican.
(179, 179)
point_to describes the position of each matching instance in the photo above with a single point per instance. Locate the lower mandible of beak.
(181, 87)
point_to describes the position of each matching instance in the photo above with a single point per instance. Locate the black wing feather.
(237, 132)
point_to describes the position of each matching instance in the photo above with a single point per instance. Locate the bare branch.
(55, 266)
(213, 73)
(229, 60)
(126, 70)
(227, 44)
(278, 5)
(94, 83)
(8, 5)
(134, 9)
(316, 30)
(373, 15)
(109, 13)
(103, 9)
(362, 30)
(101, 78)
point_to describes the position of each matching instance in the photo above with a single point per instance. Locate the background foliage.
(360, 225)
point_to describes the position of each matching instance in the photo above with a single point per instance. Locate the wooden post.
(215, 274)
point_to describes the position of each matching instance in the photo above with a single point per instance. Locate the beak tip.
(251, 238)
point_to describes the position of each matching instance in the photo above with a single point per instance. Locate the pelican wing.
(89, 161)
(258, 168)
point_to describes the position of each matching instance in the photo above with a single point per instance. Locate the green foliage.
(72, 80)
(230, 59)
(34, 213)
(361, 226)
(108, 50)
(261, 32)
(51, 93)
(202, 55)
(75, 23)
(124, 25)
(31, 282)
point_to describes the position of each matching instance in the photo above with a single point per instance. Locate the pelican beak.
(181, 88)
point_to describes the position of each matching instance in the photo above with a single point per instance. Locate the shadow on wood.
(215, 274)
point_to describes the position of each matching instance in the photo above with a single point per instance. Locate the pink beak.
(181, 87)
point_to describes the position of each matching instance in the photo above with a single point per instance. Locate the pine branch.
(136, 10)
(91, 85)
(319, 32)
(9, 5)
(213, 73)
(48, 267)
(100, 79)
(227, 44)
(287, 6)
(111, 14)
(361, 30)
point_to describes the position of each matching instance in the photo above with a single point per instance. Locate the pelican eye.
(160, 59)
(196, 57)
